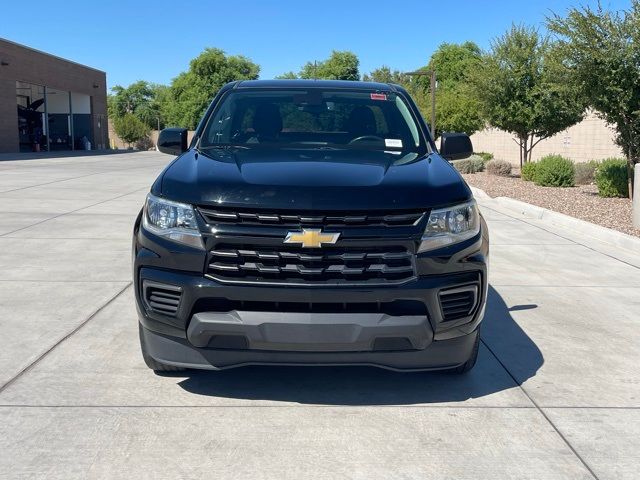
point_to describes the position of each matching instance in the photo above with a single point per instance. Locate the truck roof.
(297, 83)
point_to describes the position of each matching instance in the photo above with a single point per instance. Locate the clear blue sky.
(142, 40)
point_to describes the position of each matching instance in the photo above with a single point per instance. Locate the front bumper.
(179, 352)
(219, 325)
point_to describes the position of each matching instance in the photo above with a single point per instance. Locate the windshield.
(314, 118)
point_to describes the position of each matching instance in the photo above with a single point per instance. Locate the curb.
(602, 234)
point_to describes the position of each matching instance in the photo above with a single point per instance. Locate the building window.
(50, 119)
(81, 118)
(58, 109)
(32, 125)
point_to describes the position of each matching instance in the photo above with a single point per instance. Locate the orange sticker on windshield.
(378, 96)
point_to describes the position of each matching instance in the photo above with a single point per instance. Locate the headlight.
(448, 226)
(173, 220)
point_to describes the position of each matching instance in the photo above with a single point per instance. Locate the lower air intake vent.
(458, 302)
(162, 298)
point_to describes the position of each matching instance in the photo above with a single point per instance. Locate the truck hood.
(312, 179)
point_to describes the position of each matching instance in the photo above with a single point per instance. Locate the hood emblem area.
(311, 238)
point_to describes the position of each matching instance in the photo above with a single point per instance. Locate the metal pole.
(46, 117)
(433, 103)
(636, 196)
(71, 131)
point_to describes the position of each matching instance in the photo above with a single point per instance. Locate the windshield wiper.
(325, 147)
(222, 146)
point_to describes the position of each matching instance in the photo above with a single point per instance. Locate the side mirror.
(173, 141)
(455, 146)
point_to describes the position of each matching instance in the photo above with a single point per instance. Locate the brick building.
(48, 103)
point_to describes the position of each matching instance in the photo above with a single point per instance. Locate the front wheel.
(150, 362)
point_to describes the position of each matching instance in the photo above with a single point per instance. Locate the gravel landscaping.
(581, 201)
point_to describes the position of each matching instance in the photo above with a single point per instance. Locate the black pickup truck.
(310, 223)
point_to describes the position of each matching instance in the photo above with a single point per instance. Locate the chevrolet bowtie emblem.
(311, 238)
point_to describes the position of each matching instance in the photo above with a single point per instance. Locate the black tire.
(150, 362)
(470, 363)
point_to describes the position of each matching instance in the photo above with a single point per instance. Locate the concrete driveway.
(556, 393)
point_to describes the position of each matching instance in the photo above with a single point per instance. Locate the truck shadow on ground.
(504, 344)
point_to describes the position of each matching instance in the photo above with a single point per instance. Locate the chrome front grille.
(316, 219)
(296, 265)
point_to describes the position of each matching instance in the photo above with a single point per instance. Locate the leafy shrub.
(145, 143)
(554, 171)
(612, 178)
(472, 164)
(486, 156)
(585, 172)
(130, 128)
(528, 171)
(499, 167)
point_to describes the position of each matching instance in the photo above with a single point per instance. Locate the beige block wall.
(590, 139)
(116, 142)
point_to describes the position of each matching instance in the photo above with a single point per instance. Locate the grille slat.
(257, 263)
(164, 300)
(308, 257)
(217, 266)
(333, 219)
(451, 305)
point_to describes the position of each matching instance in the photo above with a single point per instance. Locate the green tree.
(191, 92)
(341, 65)
(455, 62)
(524, 89)
(458, 107)
(287, 75)
(601, 50)
(161, 102)
(413, 85)
(130, 128)
(139, 99)
(127, 99)
(384, 74)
